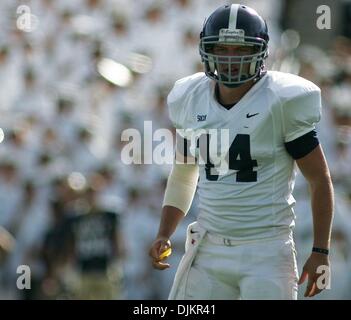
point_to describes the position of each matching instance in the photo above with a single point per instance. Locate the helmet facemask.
(230, 70)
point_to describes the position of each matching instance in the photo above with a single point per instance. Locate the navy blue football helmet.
(240, 26)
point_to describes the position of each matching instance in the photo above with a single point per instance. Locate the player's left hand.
(310, 271)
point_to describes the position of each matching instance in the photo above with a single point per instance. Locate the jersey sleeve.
(301, 113)
(175, 104)
(179, 108)
(178, 98)
(173, 109)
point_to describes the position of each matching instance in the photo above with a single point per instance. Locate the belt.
(229, 242)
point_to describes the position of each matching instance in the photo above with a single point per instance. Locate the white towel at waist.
(195, 234)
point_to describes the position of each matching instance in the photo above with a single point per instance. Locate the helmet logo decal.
(226, 35)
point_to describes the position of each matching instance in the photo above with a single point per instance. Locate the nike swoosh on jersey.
(251, 115)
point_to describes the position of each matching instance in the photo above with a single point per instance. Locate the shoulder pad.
(289, 86)
(183, 86)
(176, 99)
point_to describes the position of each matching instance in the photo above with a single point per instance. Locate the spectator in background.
(96, 248)
(53, 255)
(10, 191)
(7, 244)
(33, 99)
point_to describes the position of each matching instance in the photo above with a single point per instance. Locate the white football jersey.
(253, 198)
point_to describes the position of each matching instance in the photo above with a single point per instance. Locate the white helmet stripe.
(233, 16)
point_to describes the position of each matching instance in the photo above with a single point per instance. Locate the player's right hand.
(159, 246)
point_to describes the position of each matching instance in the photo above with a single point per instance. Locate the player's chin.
(232, 78)
(233, 73)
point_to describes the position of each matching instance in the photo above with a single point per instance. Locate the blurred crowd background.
(86, 70)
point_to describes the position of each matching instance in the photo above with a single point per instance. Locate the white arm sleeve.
(181, 186)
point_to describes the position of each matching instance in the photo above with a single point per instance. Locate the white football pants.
(226, 270)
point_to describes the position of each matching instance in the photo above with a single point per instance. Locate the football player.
(241, 246)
